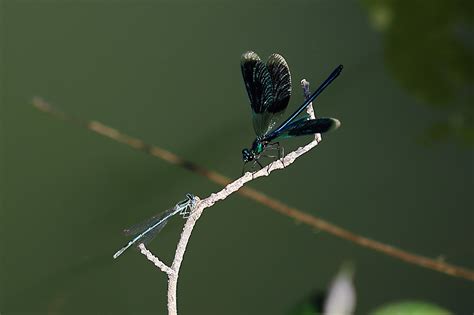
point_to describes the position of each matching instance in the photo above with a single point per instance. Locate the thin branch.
(274, 204)
(209, 202)
(155, 260)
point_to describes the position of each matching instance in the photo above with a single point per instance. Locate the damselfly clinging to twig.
(269, 89)
(147, 230)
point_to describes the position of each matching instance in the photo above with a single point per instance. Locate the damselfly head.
(192, 200)
(247, 155)
(190, 196)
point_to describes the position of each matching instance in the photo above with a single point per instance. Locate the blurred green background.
(168, 73)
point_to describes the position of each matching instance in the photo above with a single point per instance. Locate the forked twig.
(173, 271)
(276, 205)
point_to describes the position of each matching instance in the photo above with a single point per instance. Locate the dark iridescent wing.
(281, 79)
(305, 126)
(258, 83)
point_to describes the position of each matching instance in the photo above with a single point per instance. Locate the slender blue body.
(275, 133)
(159, 223)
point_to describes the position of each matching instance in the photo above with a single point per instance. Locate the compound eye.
(245, 155)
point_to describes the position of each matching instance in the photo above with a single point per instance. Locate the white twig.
(157, 262)
(173, 272)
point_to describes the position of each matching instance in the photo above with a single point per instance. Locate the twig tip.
(40, 104)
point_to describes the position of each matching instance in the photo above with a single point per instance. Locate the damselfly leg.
(272, 147)
(251, 166)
